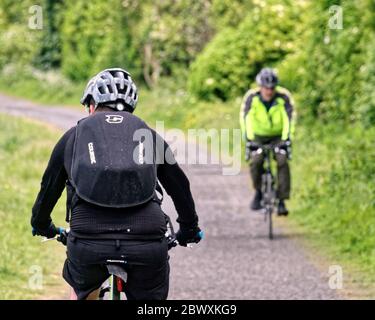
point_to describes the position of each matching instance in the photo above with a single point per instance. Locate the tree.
(172, 33)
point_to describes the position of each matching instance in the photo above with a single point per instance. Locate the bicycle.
(269, 198)
(116, 268)
(268, 189)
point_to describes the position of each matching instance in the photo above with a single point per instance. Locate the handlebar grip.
(62, 235)
(198, 237)
(172, 243)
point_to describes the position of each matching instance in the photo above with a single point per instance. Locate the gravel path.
(236, 260)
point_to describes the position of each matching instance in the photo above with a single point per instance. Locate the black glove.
(250, 147)
(48, 232)
(63, 236)
(192, 235)
(286, 145)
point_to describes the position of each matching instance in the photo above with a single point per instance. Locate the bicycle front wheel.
(270, 224)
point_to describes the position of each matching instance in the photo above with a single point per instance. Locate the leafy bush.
(148, 38)
(229, 13)
(231, 60)
(49, 55)
(169, 35)
(18, 43)
(333, 69)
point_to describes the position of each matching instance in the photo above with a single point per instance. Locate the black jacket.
(145, 221)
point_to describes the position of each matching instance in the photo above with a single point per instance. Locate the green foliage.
(18, 43)
(24, 152)
(171, 33)
(149, 39)
(229, 13)
(334, 197)
(178, 109)
(49, 55)
(15, 12)
(231, 60)
(332, 69)
(94, 36)
(44, 87)
(365, 99)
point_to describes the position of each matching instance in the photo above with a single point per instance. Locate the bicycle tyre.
(270, 224)
(269, 208)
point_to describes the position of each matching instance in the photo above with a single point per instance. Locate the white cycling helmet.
(267, 77)
(112, 87)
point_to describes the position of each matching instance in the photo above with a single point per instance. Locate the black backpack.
(111, 165)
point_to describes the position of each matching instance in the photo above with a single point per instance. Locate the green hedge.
(333, 69)
(231, 60)
(94, 37)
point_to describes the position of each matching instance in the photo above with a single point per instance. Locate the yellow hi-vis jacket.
(256, 120)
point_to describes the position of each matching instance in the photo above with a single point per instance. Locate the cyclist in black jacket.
(131, 225)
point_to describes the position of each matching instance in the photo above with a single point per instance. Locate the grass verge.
(45, 88)
(333, 198)
(25, 147)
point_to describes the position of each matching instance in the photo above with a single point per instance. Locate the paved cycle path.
(236, 260)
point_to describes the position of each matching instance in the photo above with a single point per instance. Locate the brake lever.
(193, 243)
(45, 239)
(61, 233)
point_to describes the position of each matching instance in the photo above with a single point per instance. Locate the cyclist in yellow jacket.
(266, 118)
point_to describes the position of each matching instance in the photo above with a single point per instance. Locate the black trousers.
(147, 266)
(283, 171)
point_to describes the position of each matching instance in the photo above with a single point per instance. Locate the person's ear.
(91, 108)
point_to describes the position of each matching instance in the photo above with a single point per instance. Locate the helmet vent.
(101, 90)
(110, 88)
(121, 90)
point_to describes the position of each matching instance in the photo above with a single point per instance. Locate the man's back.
(112, 205)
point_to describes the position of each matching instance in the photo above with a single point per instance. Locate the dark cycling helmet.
(267, 78)
(112, 87)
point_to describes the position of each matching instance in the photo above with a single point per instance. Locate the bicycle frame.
(116, 288)
(268, 193)
(268, 190)
(117, 280)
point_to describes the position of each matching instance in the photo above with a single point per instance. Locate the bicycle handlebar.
(173, 242)
(268, 146)
(62, 236)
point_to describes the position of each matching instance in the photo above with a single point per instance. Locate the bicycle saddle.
(117, 268)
